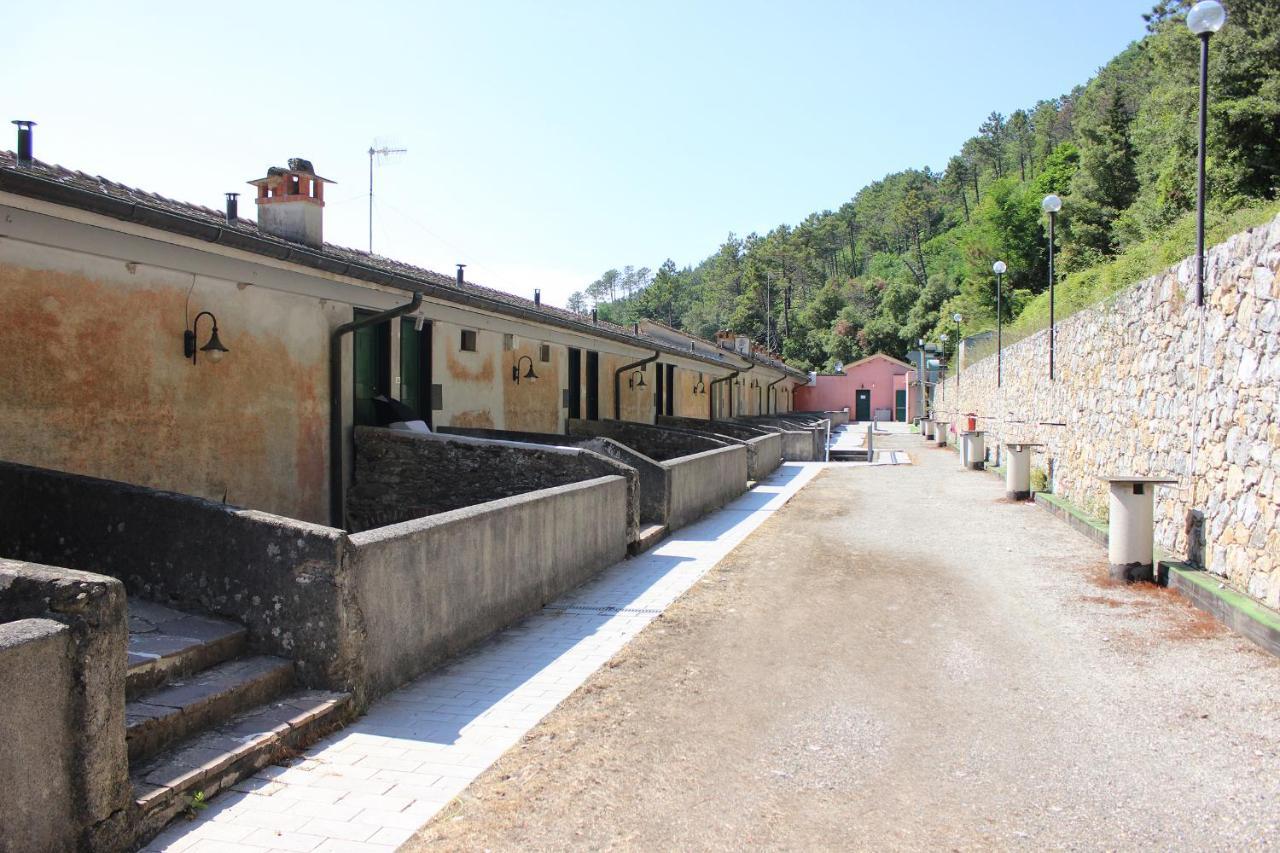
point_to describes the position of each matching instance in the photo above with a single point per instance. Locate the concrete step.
(167, 644)
(181, 708)
(650, 535)
(191, 773)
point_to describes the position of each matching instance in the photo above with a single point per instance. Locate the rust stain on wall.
(460, 372)
(478, 418)
(532, 406)
(93, 381)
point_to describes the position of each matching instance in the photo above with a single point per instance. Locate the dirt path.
(898, 659)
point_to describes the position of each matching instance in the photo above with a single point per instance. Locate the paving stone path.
(371, 785)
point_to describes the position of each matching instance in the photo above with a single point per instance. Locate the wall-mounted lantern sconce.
(701, 386)
(214, 348)
(633, 382)
(529, 374)
(755, 383)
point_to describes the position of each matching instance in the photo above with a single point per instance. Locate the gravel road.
(901, 659)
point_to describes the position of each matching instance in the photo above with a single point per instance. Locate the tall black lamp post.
(1204, 19)
(999, 268)
(1051, 205)
(958, 318)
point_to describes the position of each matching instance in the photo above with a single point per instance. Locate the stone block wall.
(658, 443)
(1148, 383)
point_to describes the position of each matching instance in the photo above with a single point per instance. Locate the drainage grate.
(606, 608)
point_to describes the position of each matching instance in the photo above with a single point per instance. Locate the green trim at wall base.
(1242, 614)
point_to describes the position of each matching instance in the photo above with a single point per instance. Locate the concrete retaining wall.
(430, 587)
(658, 443)
(704, 482)
(280, 577)
(63, 767)
(763, 443)
(404, 475)
(652, 483)
(803, 439)
(1148, 383)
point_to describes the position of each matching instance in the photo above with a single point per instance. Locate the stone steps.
(180, 780)
(167, 644)
(168, 714)
(650, 535)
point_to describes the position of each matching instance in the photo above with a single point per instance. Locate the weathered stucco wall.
(401, 475)
(431, 587)
(62, 714)
(93, 380)
(1147, 383)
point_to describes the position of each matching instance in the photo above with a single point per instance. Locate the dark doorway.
(900, 404)
(671, 390)
(659, 397)
(575, 383)
(371, 347)
(415, 368)
(593, 386)
(862, 405)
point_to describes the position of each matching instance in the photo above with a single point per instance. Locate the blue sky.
(550, 141)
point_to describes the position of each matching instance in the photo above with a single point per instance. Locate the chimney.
(461, 267)
(537, 297)
(291, 202)
(233, 207)
(24, 141)
(594, 316)
(635, 328)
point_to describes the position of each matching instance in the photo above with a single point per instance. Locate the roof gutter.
(337, 498)
(617, 382)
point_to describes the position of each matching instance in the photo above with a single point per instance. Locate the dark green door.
(900, 404)
(372, 345)
(862, 405)
(415, 368)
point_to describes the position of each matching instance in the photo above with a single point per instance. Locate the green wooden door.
(900, 404)
(372, 345)
(415, 368)
(862, 405)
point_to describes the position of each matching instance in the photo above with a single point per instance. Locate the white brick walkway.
(370, 786)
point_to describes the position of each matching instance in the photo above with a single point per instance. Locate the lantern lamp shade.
(1051, 204)
(1206, 17)
(999, 268)
(957, 317)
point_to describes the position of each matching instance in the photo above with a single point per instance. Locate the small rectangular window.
(544, 353)
(468, 340)
(508, 343)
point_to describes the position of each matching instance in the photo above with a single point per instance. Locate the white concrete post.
(1017, 471)
(1131, 531)
(973, 453)
(940, 432)
(871, 441)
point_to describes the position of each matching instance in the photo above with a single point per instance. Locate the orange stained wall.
(93, 381)
(535, 406)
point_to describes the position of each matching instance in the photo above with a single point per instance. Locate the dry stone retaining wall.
(1147, 383)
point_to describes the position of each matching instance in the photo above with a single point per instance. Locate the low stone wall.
(763, 443)
(64, 768)
(658, 443)
(651, 494)
(402, 475)
(431, 587)
(1148, 383)
(280, 577)
(705, 482)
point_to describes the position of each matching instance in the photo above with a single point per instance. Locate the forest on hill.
(894, 263)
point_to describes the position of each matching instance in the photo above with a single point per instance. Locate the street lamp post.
(1204, 19)
(1051, 205)
(999, 268)
(959, 340)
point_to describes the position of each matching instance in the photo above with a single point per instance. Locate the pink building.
(875, 388)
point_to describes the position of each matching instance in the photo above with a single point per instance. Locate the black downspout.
(617, 382)
(769, 388)
(337, 508)
(711, 404)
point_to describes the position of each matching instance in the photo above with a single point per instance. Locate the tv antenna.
(381, 152)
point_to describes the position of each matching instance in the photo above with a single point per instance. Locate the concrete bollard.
(940, 432)
(871, 442)
(1017, 470)
(1131, 529)
(973, 451)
